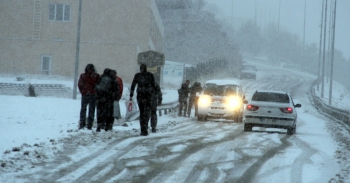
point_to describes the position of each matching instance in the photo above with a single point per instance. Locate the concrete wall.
(113, 32)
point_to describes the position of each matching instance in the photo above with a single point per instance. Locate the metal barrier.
(336, 113)
(165, 107)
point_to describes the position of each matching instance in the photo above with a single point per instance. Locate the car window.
(220, 90)
(270, 97)
(230, 90)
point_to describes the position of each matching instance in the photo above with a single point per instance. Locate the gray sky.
(291, 17)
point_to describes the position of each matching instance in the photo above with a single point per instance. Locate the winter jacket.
(145, 85)
(120, 85)
(183, 91)
(112, 89)
(196, 87)
(157, 96)
(87, 82)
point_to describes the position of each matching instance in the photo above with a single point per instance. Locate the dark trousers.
(183, 106)
(154, 117)
(193, 101)
(85, 101)
(145, 113)
(105, 114)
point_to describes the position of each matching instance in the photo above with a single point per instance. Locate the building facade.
(40, 36)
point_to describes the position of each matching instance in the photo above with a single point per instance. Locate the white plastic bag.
(131, 108)
(116, 110)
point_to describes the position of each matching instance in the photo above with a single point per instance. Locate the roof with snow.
(224, 82)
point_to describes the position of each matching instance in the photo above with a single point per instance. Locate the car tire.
(291, 131)
(238, 118)
(201, 118)
(248, 128)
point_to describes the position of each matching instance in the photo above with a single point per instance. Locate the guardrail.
(336, 113)
(165, 107)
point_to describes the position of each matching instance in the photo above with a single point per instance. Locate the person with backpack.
(183, 97)
(118, 96)
(86, 85)
(195, 89)
(145, 87)
(107, 90)
(156, 100)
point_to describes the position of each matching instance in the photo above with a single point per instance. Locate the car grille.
(218, 108)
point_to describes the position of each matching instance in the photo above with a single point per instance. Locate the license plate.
(271, 120)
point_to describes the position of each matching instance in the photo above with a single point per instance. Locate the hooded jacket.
(87, 81)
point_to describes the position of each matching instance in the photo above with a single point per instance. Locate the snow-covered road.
(186, 150)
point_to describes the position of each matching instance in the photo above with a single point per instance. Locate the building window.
(45, 64)
(59, 12)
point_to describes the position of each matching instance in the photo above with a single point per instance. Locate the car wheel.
(291, 131)
(201, 118)
(248, 128)
(238, 118)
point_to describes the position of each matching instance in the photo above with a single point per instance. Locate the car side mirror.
(297, 105)
(245, 101)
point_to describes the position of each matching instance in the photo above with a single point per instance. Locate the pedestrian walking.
(86, 85)
(117, 96)
(183, 98)
(145, 87)
(156, 99)
(195, 89)
(106, 89)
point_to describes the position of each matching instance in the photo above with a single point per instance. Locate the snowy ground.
(32, 128)
(33, 131)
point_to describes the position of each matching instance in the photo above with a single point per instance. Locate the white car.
(221, 99)
(270, 109)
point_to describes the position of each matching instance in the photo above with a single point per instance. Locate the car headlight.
(204, 100)
(233, 102)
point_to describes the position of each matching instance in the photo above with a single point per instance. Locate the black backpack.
(104, 85)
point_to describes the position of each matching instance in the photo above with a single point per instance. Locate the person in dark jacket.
(145, 87)
(156, 100)
(183, 97)
(86, 84)
(107, 90)
(117, 95)
(195, 89)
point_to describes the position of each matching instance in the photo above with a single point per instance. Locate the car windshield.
(220, 90)
(270, 97)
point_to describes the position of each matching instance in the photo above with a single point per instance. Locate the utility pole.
(332, 61)
(77, 53)
(232, 15)
(304, 32)
(319, 52)
(255, 21)
(331, 8)
(324, 49)
(279, 14)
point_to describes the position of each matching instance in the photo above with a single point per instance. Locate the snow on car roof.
(224, 82)
(272, 91)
